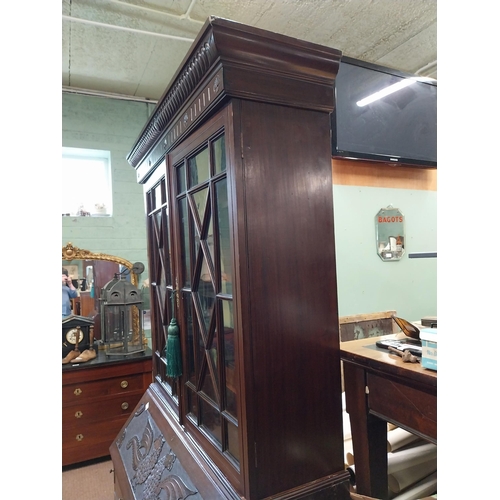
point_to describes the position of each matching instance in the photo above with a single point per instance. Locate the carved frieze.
(191, 75)
(152, 468)
(236, 61)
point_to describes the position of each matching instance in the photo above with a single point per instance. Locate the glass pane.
(172, 387)
(158, 229)
(200, 355)
(181, 178)
(211, 421)
(158, 197)
(233, 444)
(161, 374)
(197, 246)
(161, 285)
(213, 355)
(206, 295)
(192, 406)
(168, 307)
(224, 240)
(210, 241)
(149, 202)
(166, 254)
(190, 338)
(220, 154)
(200, 201)
(185, 255)
(163, 191)
(230, 360)
(161, 340)
(208, 386)
(199, 168)
(174, 384)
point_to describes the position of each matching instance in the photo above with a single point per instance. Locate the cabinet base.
(152, 453)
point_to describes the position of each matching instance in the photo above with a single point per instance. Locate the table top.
(103, 360)
(366, 353)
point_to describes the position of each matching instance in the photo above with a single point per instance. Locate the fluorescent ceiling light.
(391, 89)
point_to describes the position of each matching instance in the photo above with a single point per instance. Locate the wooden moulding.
(366, 325)
(229, 59)
(365, 317)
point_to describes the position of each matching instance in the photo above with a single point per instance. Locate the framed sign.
(72, 271)
(390, 233)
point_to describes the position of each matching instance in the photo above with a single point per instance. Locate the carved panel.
(152, 468)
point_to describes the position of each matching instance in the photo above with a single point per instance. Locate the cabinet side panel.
(288, 276)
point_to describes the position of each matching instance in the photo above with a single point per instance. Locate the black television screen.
(400, 127)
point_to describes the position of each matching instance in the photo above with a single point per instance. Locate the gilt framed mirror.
(92, 271)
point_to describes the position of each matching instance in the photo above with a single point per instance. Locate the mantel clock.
(76, 331)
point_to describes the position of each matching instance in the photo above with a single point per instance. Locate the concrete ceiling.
(134, 47)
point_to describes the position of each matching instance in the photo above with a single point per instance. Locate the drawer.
(75, 393)
(416, 408)
(90, 440)
(88, 411)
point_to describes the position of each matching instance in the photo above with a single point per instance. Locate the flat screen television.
(398, 128)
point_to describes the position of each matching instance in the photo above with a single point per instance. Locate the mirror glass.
(390, 233)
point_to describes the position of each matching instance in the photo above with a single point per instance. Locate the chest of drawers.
(97, 399)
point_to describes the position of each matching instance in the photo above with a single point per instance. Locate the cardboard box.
(428, 336)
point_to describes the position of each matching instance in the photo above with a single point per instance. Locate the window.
(86, 182)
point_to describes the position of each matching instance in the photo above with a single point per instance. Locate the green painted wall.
(113, 125)
(365, 283)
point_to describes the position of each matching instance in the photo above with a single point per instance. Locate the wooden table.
(380, 388)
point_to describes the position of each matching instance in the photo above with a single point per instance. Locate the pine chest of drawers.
(97, 399)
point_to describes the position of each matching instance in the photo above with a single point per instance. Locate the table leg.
(369, 436)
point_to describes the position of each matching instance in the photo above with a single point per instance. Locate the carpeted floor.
(88, 481)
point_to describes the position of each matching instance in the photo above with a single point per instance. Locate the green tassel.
(173, 350)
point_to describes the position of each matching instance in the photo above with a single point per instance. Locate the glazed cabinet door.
(191, 259)
(161, 272)
(198, 169)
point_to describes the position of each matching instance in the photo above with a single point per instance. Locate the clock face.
(73, 335)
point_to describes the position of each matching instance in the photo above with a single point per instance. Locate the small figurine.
(82, 212)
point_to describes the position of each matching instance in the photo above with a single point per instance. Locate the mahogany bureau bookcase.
(235, 161)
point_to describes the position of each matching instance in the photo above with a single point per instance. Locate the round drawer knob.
(78, 414)
(77, 391)
(123, 384)
(125, 406)
(79, 437)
